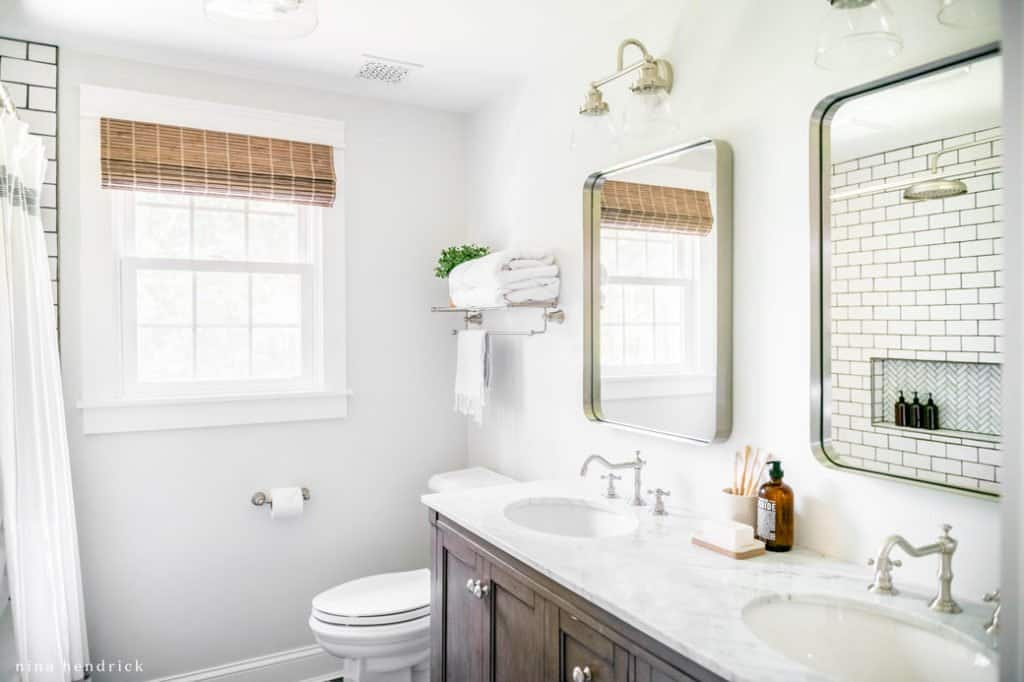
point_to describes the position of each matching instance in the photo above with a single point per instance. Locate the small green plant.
(455, 255)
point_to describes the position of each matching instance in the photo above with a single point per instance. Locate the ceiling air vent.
(385, 70)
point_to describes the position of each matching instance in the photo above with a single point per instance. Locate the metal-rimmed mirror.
(657, 236)
(906, 264)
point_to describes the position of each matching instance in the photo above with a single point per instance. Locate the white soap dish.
(748, 551)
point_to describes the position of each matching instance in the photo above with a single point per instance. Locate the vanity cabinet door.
(457, 614)
(518, 618)
(582, 649)
(652, 671)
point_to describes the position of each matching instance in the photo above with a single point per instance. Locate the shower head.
(934, 189)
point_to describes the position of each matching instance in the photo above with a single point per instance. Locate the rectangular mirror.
(907, 262)
(658, 293)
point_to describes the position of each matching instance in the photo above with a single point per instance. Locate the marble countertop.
(689, 598)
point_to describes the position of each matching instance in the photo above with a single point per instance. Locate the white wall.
(745, 74)
(181, 571)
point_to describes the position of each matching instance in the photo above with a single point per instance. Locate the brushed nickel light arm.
(655, 74)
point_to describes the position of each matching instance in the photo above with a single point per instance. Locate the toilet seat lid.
(376, 599)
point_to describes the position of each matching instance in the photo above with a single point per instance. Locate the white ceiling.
(949, 103)
(471, 49)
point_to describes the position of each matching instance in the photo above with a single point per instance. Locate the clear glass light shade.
(592, 132)
(857, 37)
(648, 114)
(264, 18)
(969, 13)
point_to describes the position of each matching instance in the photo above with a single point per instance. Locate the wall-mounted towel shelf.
(475, 316)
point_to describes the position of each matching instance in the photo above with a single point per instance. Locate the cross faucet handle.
(659, 502)
(895, 563)
(611, 493)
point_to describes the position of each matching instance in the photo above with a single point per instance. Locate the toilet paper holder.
(260, 498)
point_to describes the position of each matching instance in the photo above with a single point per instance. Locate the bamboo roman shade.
(163, 158)
(634, 206)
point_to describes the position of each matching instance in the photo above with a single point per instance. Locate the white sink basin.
(854, 641)
(569, 516)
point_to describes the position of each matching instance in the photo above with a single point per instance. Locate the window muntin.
(219, 295)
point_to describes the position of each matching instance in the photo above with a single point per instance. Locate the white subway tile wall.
(29, 72)
(920, 281)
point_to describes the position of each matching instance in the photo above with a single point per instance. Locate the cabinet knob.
(581, 674)
(477, 589)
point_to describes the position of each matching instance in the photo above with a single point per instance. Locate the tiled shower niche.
(966, 393)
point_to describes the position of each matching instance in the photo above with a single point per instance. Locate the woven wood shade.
(154, 157)
(653, 208)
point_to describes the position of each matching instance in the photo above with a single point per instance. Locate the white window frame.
(111, 402)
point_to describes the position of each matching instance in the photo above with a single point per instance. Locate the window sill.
(159, 414)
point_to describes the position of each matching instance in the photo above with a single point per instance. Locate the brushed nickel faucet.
(636, 465)
(945, 547)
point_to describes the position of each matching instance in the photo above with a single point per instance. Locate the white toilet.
(380, 625)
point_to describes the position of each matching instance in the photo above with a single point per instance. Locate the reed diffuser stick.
(735, 474)
(746, 463)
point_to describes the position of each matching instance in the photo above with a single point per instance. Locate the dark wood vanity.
(495, 619)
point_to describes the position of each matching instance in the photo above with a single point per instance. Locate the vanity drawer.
(582, 649)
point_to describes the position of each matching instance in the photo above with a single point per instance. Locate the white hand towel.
(472, 374)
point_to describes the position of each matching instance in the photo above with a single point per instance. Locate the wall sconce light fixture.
(857, 33)
(646, 113)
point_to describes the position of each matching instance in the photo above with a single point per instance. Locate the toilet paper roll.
(286, 502)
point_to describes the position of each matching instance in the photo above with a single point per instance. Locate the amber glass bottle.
(775, 512)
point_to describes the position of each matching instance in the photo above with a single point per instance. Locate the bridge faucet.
(945, 547)
(636, 465)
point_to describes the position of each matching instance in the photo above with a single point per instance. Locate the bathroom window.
(211, 265)
(218, 294)
(651, 284)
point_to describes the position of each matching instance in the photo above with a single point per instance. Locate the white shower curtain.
(38, 509)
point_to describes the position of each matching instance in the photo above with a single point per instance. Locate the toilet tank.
(465, 479)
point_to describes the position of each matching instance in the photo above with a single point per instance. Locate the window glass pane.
(162, 198)
(164, 353)
(222, 298)
(639, 349)
(611, 345)
(611, 304)
(222, 353)
(201, 202)
(631, 258)
(639, 303)
(667, 304)
(276, 299)
(668, 344)
(274, 238)
(608, 259)
(660, 255)
(161, 231)
(276, 352)
(164, 297)
(274, 207)
(219, 234)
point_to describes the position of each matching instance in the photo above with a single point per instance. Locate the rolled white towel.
(548, 292)
(493, 270)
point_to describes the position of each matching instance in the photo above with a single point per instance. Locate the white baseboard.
(305, 664)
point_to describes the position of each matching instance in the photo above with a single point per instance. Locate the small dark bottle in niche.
(914, 414)
(931, 414)
(900, 411)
